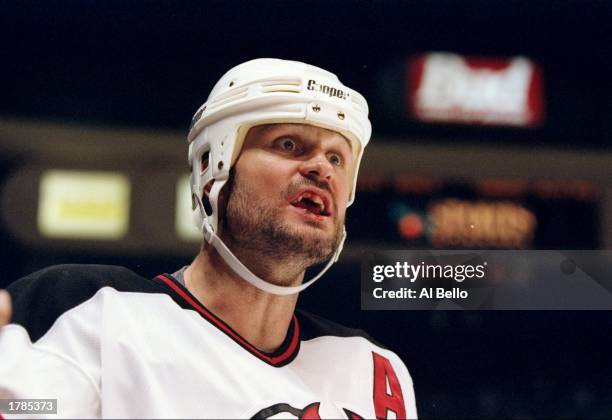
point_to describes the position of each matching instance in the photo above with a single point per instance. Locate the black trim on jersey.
(313, 326)
(288, 350)
(40, 298)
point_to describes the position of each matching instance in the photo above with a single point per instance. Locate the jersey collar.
(280, 357)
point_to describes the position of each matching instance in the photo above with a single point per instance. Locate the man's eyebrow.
(265, 128)
(350, 144)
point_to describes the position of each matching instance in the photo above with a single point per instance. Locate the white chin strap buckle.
(207, 230)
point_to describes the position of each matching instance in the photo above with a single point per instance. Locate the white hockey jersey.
(107, 343)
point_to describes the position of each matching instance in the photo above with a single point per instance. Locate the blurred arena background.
(490, 113)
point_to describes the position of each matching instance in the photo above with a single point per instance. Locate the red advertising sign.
(445, 87)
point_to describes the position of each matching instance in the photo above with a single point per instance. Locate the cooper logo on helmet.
(328, 90)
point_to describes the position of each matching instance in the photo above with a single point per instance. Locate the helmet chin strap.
(212, 238)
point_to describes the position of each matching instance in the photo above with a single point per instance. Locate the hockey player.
(274, 154)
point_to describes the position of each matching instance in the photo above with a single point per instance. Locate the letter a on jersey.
(387, 390)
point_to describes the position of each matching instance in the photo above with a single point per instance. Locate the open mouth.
(312, 203)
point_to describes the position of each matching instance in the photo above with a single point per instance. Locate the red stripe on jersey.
(213, 319)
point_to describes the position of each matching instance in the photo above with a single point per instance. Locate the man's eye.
(335, 159)
(288, 145)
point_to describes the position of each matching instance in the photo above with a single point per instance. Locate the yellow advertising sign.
(83, 205)
(185, 229)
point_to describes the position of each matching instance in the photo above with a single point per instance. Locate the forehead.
(303, 130)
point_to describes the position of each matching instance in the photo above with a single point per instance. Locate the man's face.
(288, 194)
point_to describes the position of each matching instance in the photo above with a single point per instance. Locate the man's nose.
(317, 168)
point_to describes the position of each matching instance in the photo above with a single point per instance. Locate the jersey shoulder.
(41, 297)
(314, 326)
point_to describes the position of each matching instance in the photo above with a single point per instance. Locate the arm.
(47, 369)
(31, 372)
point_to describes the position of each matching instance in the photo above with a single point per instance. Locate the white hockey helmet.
(257, 92)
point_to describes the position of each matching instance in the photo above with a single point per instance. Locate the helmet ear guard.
(258, 92)
(215, 171)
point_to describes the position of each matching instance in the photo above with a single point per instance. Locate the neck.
(261, 318)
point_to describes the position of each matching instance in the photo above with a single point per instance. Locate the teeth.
(314, 198)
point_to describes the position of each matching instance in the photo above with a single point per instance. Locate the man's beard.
(255, 231)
